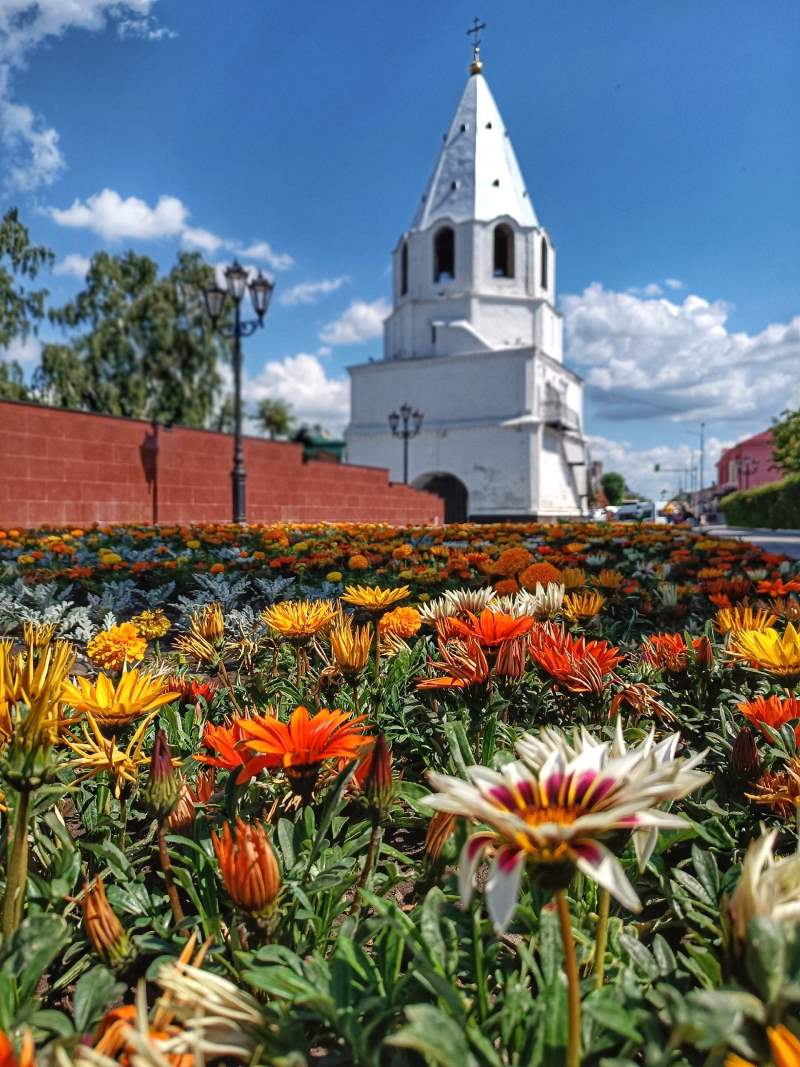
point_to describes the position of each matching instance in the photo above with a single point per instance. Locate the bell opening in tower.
(444, 255)
(503, 251)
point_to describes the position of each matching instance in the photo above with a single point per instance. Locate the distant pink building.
(747, 464)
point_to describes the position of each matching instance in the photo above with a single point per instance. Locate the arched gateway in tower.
(474, 340)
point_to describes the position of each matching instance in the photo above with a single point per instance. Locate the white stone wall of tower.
(480, 355)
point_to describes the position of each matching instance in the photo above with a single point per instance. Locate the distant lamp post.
(412, 424)
(215, 297)
(746, 466)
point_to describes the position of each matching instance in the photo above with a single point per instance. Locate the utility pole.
(702, 463)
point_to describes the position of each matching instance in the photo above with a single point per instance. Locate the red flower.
(777, 587)
(226, 741)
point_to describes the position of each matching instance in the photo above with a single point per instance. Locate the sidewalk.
(782, 542)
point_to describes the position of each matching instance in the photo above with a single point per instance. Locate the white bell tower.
(474, 340)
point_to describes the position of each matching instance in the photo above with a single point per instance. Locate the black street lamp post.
(412, 424)
(260, 294)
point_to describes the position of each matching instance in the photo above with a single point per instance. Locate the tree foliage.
(22, 307)
(613, 486)
(137, 344)
(274, 416)
(786, 442)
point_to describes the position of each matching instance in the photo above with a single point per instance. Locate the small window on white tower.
(503, 251)
(444, 255)
(404, 269)
(545, 268)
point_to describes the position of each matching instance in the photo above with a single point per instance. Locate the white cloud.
(674, 283)
(651, 358)
(25, 350)
(637, 465)
(114, 218)
(311, 292)
(73, 265)
(302, 382)
(360, 322)
(31, 153)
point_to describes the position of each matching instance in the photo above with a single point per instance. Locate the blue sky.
(659, 142)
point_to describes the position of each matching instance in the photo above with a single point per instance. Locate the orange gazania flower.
(491, 628)
(777, 587)
(771, 711)
(463, 663)
(226, 742)
(580, 666)
(670, 652)
(27, 1052)
(785, 1048)
(248, 867)
(303, 744)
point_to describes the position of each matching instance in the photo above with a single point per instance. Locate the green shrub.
(773, 506)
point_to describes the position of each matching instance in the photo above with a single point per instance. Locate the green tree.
(274, 416)
(786, 442)
(21, 307)
(137, 344)
(613, 486)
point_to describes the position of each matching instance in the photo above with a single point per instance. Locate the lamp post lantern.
(215, 297)
(412, 424)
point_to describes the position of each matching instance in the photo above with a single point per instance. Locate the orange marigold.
(402, 622)
(358, 562)
(512, 561)
(113, 648)
(506, 587)
(539, 574)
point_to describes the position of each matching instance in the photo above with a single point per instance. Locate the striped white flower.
(767, 887)
(550, 810)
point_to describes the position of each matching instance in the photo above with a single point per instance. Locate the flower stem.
(169, 881)
(372, 853)
(17, 879)
(573, 982)
(377, 650)
(602, 939)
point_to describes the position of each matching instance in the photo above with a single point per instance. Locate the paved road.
(786, 542)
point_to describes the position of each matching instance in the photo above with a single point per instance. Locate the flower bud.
(373, 777)
(440, 829)
(182, 815)
(163, 785)
(248, 867)
(103, 928)
(703, 651)
(744, 755)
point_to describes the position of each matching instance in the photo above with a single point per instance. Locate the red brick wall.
(68, 467)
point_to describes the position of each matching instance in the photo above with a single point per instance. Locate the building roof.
(476, 175)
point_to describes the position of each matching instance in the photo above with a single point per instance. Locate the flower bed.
(341, 794)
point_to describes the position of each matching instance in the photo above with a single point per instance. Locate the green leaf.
(607, 1012)
(94, 992)
(435, 1036)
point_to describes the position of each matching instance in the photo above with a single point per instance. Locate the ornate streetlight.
(260, 294)
(412, 424)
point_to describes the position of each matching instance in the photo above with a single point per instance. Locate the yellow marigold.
(512, 561)
(743, 617)
(358, 562)
(334, 576)
(573, 577)
(112, 649)
(539, 574)
(152, 624)
(402, 622)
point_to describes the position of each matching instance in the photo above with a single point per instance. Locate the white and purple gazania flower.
(549, 810)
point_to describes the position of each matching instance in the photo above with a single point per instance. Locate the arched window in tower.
(545, 268)
(404, 269)
(444, 255)
(503, 251)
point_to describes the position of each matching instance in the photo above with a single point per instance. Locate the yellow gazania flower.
(583, 605)
(299, 619)
(769, 651)
(202, 640)
(38, 634)
(113, 648)
(134, 694)
(609, 579)
(743, 617)
(36, 682)
(96, 753)
(573, 578)
(350, 645)
(783, 1044)
(371, 598)
(209, 622)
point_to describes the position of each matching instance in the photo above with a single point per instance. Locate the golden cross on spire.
(475, 33)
